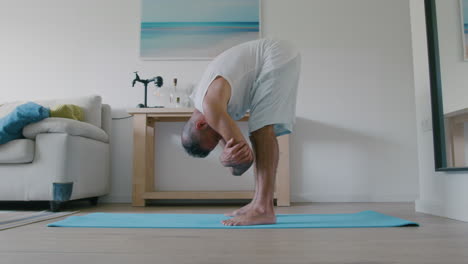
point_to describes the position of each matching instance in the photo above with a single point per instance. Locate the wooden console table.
(144, 120)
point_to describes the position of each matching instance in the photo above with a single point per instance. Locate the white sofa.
(60, 159)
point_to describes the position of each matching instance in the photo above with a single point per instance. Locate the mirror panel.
(447, 29)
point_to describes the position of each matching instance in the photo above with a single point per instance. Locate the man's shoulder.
(219, 91)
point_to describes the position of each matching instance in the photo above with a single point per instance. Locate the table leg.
(150, 152)
(140, 141)
(449, 142)
(282, 176)
(458, 134)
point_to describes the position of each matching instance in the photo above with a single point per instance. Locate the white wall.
(355, 137)
(441, 193)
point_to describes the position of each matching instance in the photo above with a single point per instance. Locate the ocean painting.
(464, 6)
(196, 29)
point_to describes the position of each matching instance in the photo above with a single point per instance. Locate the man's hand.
(238, 156)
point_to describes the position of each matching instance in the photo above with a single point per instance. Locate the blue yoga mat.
(213, 221)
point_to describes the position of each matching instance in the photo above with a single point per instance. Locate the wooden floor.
(438, 240)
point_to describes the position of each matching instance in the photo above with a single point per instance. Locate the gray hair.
(191, 141)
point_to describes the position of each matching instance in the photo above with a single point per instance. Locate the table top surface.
(456, 113)
(169, 113)
(182, 111)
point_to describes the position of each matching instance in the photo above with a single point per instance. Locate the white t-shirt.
(240, 66)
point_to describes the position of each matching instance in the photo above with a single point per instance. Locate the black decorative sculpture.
(158, 81)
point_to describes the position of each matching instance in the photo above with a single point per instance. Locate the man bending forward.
(261, 77)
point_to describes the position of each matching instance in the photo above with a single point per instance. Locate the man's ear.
(201, 124)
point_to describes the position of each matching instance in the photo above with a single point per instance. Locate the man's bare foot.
(240, 211)
(252, 217)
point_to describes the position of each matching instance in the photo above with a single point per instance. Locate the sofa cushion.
(91, 106)
(17, 151)
(67, 126)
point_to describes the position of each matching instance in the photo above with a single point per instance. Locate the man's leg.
(245, 208)
(261, 209)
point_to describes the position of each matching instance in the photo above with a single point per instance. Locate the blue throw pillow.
(11, 126)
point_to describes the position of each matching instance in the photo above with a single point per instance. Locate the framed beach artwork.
(196, 29)
(464, 15)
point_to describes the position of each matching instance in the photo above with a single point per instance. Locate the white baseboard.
(116, 199)
(309, 197)
(439, 209)
(306, 198)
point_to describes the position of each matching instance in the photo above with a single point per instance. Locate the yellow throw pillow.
(67, 111)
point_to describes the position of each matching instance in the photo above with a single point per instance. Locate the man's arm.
(238, 155)
(215, 110)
